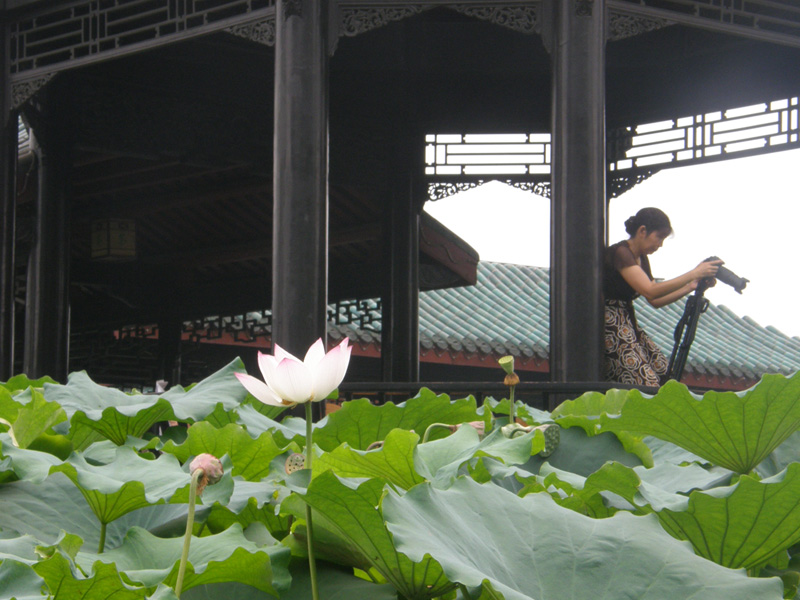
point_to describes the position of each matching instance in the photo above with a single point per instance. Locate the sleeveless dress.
(630, 355)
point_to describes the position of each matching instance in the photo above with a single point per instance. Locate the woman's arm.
(660, 293)
(676, 295)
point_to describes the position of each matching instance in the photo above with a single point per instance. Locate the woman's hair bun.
(652, 218)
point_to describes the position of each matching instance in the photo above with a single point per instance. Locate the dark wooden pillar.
(169, 350)
(47, 300)
(8, 161)
(578, 190)
(400, 302)
(300, 231)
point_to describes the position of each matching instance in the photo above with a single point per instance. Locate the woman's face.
(653, 241)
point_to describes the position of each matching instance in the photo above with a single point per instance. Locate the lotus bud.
(211, 468)
(479, 426)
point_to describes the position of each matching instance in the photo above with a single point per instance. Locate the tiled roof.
(507, 313)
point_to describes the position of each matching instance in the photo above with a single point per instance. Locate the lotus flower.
(289, 381)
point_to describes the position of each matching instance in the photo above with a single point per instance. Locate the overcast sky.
(746, 211)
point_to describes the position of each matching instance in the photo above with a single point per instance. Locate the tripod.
(685, 330)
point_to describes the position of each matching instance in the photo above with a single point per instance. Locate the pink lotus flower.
(289, 381)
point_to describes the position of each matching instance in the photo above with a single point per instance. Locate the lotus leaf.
(735, 430)
(360, 423)
(532, 548)
(341, 509)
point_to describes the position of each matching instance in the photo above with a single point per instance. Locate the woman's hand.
(706, 269)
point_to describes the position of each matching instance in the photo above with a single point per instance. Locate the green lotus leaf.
(585, 495)
(684, 479)
(22, 549)
(27, 465)
(587, 411)
(289, 429)
(19, 383)
(583, 454)
(200, 400)
(335, 583)
(226, 557)
(250, 502)
(528, 413)
(43, 510)
(360, 423)
(18, 580)
(440, 460)
(98, 412)
(780, 458)
(393, 462)
(128, 483)
(667, 452)
(66, 581)
(251, 457)
(343, 510)
(36, 418)
(735, 430)
(531, 548)
(740, 526)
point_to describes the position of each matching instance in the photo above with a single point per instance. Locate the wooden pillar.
(300, 230)
(47, 300)
(8, 161)
(400, 302)
(578, 190)
(169, 349)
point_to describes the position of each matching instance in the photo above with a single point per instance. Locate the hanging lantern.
(114, 239)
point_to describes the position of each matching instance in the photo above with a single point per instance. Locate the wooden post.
(8, 203)
(47, 301)
(578, 190)
(300, 176)
(400, 304)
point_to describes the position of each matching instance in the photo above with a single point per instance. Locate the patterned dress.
(630, 355)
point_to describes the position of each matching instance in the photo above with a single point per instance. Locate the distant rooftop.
(507, 312)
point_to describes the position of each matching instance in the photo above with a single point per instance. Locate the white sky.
(746, 211)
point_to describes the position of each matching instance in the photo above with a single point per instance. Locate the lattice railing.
(85, 29)
(256, 326)
(763, 18)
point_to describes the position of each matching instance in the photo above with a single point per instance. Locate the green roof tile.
(507, 312)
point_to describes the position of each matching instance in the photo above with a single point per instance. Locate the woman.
(631, 356)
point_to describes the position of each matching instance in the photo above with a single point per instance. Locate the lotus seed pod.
(212, 468)
(507, 362)
(552, 437)
(512, 379)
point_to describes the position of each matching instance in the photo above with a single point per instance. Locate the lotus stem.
(187, 537)
(102, 545)
(312, 565)
(512, 410)
(433, 426)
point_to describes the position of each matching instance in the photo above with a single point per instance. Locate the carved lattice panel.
(487, 154)
(760, 126)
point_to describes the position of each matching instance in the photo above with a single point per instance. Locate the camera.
(729, 277)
